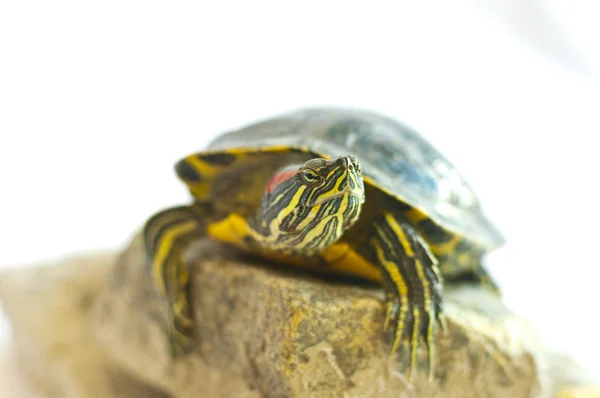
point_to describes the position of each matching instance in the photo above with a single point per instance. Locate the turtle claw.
(410, 325)
(391, 312)
(180, 343)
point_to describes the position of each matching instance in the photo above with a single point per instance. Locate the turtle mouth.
(358, 193)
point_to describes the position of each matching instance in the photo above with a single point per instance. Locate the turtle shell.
(394, 158)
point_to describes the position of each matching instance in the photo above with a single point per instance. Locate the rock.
(579, 392)
(91, 327)
(49, 309)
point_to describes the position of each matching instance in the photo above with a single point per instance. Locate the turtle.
(335, 190)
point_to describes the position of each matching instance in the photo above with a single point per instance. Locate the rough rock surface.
(90, 327)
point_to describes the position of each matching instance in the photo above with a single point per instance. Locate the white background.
(99, 99)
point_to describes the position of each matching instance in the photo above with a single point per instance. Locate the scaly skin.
(316, 213)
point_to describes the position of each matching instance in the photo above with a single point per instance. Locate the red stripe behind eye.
(280, 177)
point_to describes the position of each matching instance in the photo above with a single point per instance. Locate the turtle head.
(307, 207)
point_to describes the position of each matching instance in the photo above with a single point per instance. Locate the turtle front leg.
(165, 236)
(412, 283)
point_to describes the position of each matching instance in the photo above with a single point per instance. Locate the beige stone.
(579, 392)
(91, 327)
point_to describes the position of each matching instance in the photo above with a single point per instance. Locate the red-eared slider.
(333, 190)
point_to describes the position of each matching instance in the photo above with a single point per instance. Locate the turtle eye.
(311, 176)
